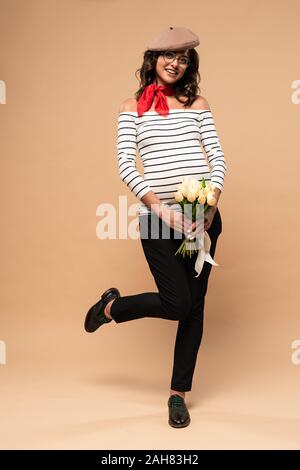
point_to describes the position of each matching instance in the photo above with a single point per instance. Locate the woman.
(167, 121)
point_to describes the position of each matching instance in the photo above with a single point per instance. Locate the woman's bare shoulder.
(200, 103)
(130, 104)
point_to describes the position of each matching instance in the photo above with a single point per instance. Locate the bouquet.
(195, 197)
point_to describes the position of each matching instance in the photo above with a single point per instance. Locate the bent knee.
(180, 308)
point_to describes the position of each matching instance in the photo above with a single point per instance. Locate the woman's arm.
(155, 205)
(127, 153)
(211, 144)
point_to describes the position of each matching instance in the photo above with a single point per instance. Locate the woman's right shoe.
(96, 316)
(179, 416)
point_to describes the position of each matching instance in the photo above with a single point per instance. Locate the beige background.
(67, 66)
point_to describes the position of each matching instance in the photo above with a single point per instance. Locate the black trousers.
(180, 295)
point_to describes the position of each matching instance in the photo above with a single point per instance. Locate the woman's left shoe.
(96, 316)
(179, 416)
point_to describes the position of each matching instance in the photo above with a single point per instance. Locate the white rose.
(202, 199)
(211, 199)
(178, 196)
(191, 197)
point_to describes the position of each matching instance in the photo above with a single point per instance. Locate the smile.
(173, 74)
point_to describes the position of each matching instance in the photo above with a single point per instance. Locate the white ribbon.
(203, 253)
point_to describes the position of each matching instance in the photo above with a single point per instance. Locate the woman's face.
(168, 72)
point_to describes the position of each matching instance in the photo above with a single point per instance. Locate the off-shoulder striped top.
(170, 148)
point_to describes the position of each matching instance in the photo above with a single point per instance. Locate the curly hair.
(187, 86)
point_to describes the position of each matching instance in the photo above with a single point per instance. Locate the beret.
(174, 38)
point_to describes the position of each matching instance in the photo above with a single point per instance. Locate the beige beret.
(173, 38)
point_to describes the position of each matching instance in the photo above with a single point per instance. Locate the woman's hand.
(183, 224)
(199, 228)
(177, 221)
(209, 216)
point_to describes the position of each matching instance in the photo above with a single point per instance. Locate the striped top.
(170, 148)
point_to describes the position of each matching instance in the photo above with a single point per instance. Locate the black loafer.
(179, 416)
(96, 316)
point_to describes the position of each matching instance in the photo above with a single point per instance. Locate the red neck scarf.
(157, 92)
